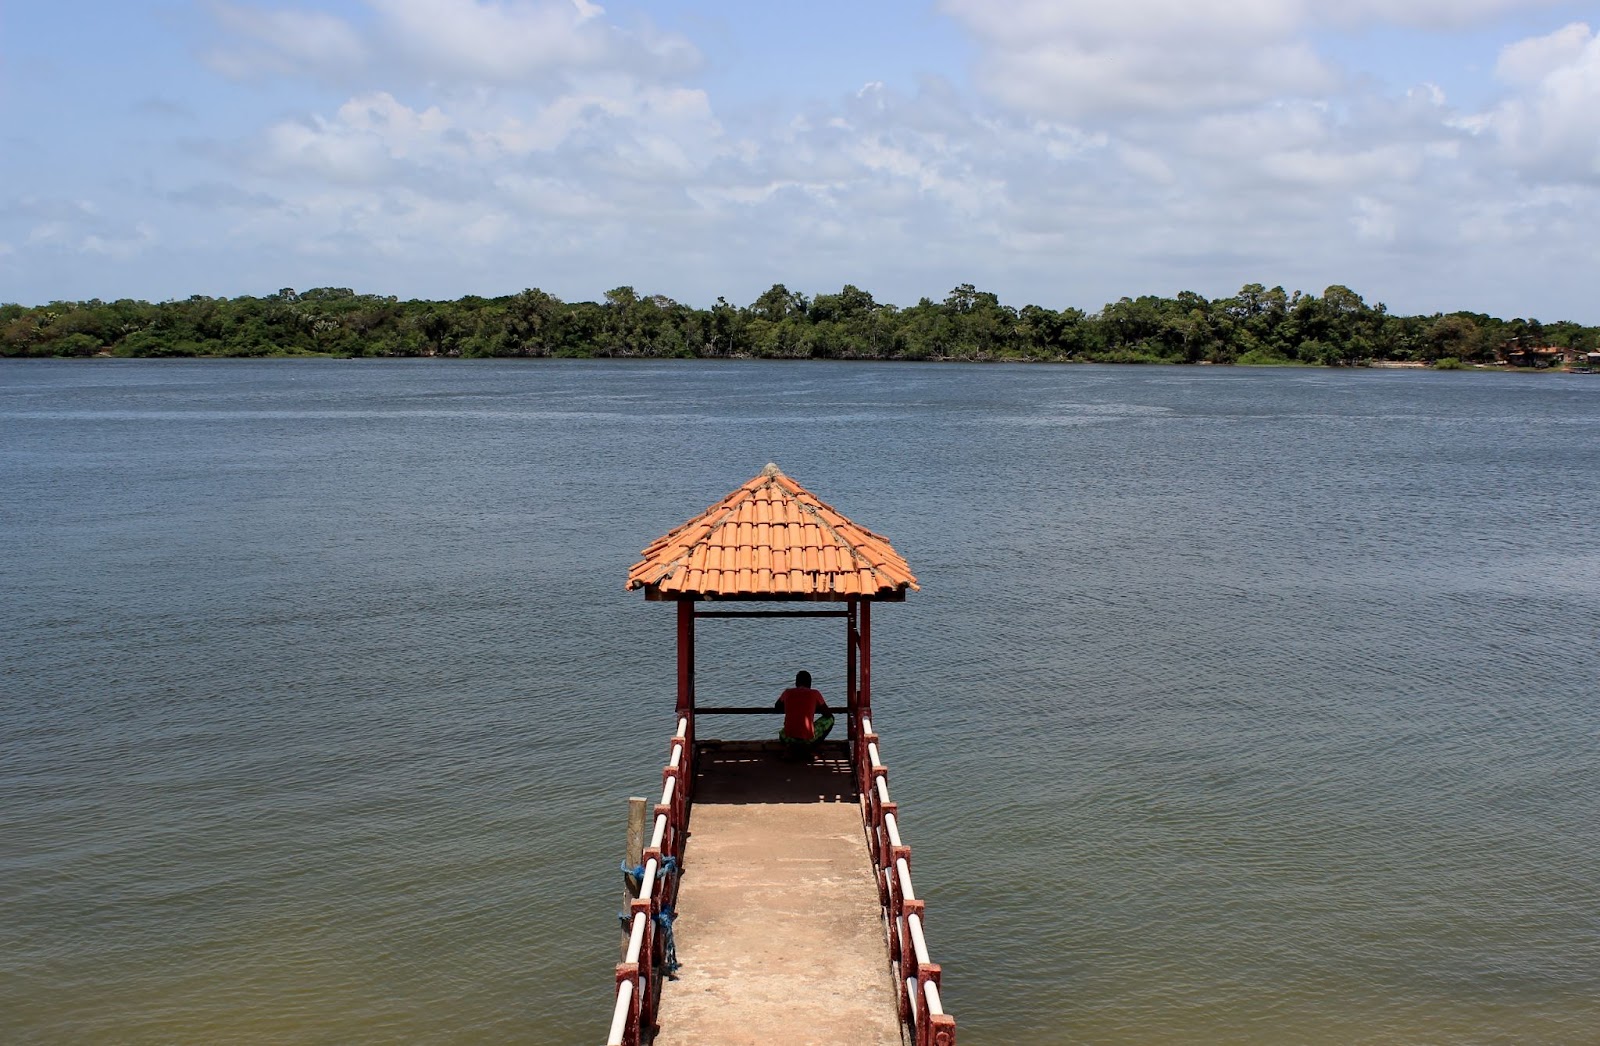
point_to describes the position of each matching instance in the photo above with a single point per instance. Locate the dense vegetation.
(1257, 325)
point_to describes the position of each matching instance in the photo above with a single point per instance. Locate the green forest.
(1258, 325)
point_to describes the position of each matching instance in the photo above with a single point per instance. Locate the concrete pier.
(779, 928)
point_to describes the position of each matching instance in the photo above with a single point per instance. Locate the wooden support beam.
(852, 707)
(772, 613)
(865, 701)
(686, 657)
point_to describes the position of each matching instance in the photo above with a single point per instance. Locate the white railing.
(642, 967)
(918, 977)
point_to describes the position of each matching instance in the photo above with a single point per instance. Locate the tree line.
(1257, 325)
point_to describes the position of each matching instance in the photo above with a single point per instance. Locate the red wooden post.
(907, 948)
(686, 657)
(678, 812)
(864, 702)
(852, 718)
(669, 839)
(685, 773)
(688, 768)
(646, 967)
(629, 971)
(864, 762)
(925, 973)
(886, 849)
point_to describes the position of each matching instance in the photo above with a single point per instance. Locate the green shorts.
(823, 725)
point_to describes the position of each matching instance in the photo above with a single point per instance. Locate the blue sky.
(1430, 154)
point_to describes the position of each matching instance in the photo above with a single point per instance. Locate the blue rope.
(635, 874)
(670, 961)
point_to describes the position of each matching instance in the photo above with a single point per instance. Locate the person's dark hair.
(802, 678)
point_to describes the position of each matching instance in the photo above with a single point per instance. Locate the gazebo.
(773, 540)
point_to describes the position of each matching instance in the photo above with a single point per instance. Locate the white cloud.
(495, 41)
(1375, 219)
(1335, 169)
(1527, 62)
(91, 236)
(1071, 81)
(1079, 59)
(1025, 22)
(333, 222)
(285, 42)
(1550, 127)
(1428, 14)
(1149, 164)
(369, 138)
(1141, 146)
(400, 127)
(49, 233)
(1092, 60)
(330, 150)
(125, 245)
(460, 41)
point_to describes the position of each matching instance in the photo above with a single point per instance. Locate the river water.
(1237, 706)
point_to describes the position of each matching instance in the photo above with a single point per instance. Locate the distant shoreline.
(1258, 326)
(1387, 365)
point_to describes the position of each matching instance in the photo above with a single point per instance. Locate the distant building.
(1542, 356)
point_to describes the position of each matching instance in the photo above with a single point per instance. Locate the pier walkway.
(780, 933)
(771, 902)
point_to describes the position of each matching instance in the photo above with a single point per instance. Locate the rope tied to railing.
(635, 874)
(669, 948)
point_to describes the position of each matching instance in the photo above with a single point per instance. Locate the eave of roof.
(772, 539)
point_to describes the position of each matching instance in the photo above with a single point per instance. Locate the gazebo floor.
(779, 929)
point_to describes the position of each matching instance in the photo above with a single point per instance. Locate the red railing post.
(629, 971)
(884, 855)
(686, 761)
(925, 973)
(908, 947)
(644, 994)
(669, 838)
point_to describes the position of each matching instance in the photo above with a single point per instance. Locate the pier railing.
(649, 959)
(917, 976)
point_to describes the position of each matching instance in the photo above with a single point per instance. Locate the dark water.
(1237, 706)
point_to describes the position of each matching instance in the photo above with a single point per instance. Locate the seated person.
(799, 703)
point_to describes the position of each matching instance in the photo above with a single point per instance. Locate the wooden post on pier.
(864, 654)
(686, 657)
(633, 856)
(853, 710)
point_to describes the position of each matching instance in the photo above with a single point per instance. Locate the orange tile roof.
(772, 539)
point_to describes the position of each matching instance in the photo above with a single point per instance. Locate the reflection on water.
(1237, 706)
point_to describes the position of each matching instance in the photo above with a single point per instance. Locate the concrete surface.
(778, 927)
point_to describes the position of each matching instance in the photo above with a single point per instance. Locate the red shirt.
(800, 703)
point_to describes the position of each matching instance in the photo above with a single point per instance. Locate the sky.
(1432, 155)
